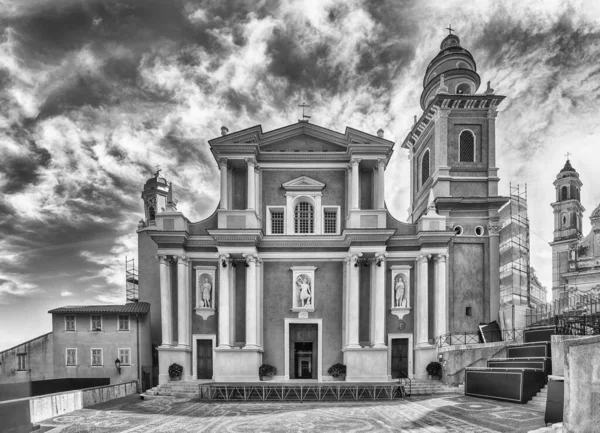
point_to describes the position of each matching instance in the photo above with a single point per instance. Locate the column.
(441, 296)
(224, 175)
(381, 184)
(355, 199)
(250, 162)
(378, 322)
(422, 316)
(166, 318)
(224, 341)
(184, 309)
(353, 303)
(494, 233)
(251, 302)
(348, 190)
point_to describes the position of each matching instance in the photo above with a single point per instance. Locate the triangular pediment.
(303, 183)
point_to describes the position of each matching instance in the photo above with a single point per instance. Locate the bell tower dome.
(156, 196)
(452, 71)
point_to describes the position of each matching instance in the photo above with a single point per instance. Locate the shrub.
(434, 368)
(175, 370)
(267, 370)
(337, 370)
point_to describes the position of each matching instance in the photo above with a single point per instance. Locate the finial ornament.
(158, 170)
(380, 133)
(450, 29)
(567, 155)
(489, 90)
(442, 87)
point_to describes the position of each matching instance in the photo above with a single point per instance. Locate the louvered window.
(96, 357)
(71, 357)
(467, 147)
(277, 222)
(425, 167)
(304, 218)
(330, 221)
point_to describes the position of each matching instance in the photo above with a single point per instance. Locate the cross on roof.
(567, 155)
(158, 170)
(450, 29)
(304, 105)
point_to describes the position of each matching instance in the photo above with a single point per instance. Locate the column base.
(367, 364)
(424, 354)
(168, 355)
(235, 365)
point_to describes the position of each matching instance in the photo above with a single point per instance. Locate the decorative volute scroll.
(205, 291)
(400, 293)
(303, 290)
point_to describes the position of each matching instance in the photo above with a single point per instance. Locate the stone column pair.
(440, 305)
(184, 308)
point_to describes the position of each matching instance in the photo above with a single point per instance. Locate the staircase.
(428, 387)
(175, 389)
(538, 402)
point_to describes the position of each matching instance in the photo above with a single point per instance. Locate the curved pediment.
(303, 183)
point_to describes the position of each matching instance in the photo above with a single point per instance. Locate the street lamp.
(118, 365)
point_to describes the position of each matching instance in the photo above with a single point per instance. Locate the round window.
(458, 230)
(479, 231)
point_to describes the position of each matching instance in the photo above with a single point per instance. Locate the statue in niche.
(400, 291)
(303, 284)
(206, 293)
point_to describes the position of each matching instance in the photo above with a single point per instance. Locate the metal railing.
(458, 338)
(573, 306)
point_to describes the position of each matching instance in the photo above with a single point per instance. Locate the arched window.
(466, 147)
(304, 218)
(425, 167)
(564, 192)
(151, 213)
(564, 220)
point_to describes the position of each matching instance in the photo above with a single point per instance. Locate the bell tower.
(156, 195)
(452, 152)
(568, 215)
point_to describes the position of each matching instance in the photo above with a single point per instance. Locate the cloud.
(66, 293)
(12, 291)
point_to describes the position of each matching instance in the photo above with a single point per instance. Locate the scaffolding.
(131, 281)
(515, 270)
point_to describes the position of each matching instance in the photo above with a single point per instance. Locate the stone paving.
(416, 414)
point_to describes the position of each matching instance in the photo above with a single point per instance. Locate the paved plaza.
(417, 414)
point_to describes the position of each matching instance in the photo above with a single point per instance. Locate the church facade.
(302, 266)
(575, 258)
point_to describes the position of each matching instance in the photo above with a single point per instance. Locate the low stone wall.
(558, 352)
(459, 357)
(51, 405)
(582, 384)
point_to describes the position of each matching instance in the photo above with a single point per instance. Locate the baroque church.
(302, 266)
(575, 258)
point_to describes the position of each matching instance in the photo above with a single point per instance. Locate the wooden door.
(399, 358)
(204, 359)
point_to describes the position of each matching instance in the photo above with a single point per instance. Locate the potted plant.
(434, 368)
(337, 371)
(266, 372)
(175, 371)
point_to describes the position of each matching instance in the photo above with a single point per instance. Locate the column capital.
(223, 162)
(182, 259)
(251, 258)
(381, 163)
(409, 156)
(492, 113)
(423, 258)
(441, 257)
(441, 113)
(493, 229)
(380, 257)
(163, 259)
(353, 258)
(354, 162)
(223, 259)
(250, 162)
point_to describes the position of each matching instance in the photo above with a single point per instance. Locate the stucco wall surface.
(582, 384)
(558, 352)
(467, 290)
(38, 364)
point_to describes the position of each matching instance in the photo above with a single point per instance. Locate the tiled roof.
(131, 308)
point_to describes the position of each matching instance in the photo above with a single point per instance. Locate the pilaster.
(422, 316)
(441, 296)
(378, 322)
(184, 308)
(224, 189)
(353, 303)
(494, 233)
(251, 163)
(166, 307)
(354, 163)
(224, 341)
(251, 302)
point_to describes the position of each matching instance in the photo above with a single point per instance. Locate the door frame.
(286, 345)
(195, 338)
(405, 336)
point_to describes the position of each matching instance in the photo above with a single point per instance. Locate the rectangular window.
(123, 323)
(96, 357)
(21, 358)
(330, 226)
(124, 356)
(96, 323)
(71, 357)
(276, 222)
(69, 323)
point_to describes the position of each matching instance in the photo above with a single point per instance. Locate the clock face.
(401, 325)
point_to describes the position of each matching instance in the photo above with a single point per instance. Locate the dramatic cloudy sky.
(94, 93)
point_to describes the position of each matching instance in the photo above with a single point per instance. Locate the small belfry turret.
(155, 194)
